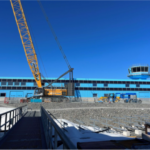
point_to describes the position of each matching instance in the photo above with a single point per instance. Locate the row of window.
(106, 85)
(77, 84)
(139, 69)
(75, 81)
(16, 83)
(113, 89)
(11, 83)
(81, 88)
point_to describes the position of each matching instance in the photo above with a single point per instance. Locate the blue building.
(16, 87)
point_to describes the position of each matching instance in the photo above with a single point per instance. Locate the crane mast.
(32, 57)
(26, 40)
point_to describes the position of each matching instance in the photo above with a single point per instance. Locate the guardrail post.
(50, 136)
(13, 119)
(9, 119)
(15, 116)
(48, 125)
(55, 140)
(64, 146)
(47, 131)
(0, 122)
(18, 114)
(5, 122)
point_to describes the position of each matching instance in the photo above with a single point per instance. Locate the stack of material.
(47, 100)
(24, 100)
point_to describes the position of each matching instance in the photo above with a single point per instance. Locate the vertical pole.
(18, 114)
(50, 137)
(13, 119)
(47, 132)
(61, 119)
(0, 122)
(9, 119)
(94, 124)
(5, 122)
(55, 140)
(64, 146)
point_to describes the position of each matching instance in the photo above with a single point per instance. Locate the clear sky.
(100, 39)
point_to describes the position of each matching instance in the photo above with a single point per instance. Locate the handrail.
(14, 116)
(12, 110)
(49, 125)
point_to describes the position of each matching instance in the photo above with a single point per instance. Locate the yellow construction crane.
(32, 57)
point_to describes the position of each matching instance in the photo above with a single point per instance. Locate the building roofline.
(94, 79)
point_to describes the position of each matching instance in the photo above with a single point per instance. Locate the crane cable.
(36, 44)
(56, 39)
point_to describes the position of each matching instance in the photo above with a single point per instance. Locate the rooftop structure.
(139, 72)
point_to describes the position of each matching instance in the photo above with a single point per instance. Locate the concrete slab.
(126, 133)
(138, 132)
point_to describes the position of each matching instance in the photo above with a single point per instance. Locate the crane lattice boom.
(26, 40)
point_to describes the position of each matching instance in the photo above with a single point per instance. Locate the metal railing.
(10, 118)
(52, 132)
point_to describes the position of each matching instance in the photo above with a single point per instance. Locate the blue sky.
(100, 39)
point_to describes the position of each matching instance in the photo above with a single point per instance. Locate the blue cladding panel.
(116, 85)
(86, 85)
(144, 94)
(132, 85)
(29, 94)
(13, 92)
(58, 84)
(144, 86)
(100, 85)
(89, 93)
(29, 84)
(16, 94)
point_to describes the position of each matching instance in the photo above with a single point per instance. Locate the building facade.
(84, 88)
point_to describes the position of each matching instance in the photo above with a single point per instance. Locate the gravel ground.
(85, 115)
(87, 111)
(54, 105)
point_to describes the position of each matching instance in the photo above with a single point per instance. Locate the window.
(138, 69)
(65, 84)
(129, 70)
(94, 84)
(2, 94)
(10, 83)
(23, 83)
(3, 83)
(142, 69)
(106, 95)
(146, 69)
(35, 84)
(127, 85)
(137, 85)
(16, 83)
(105, 85)
(94, 95)
(77, 84)
(134, 69)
